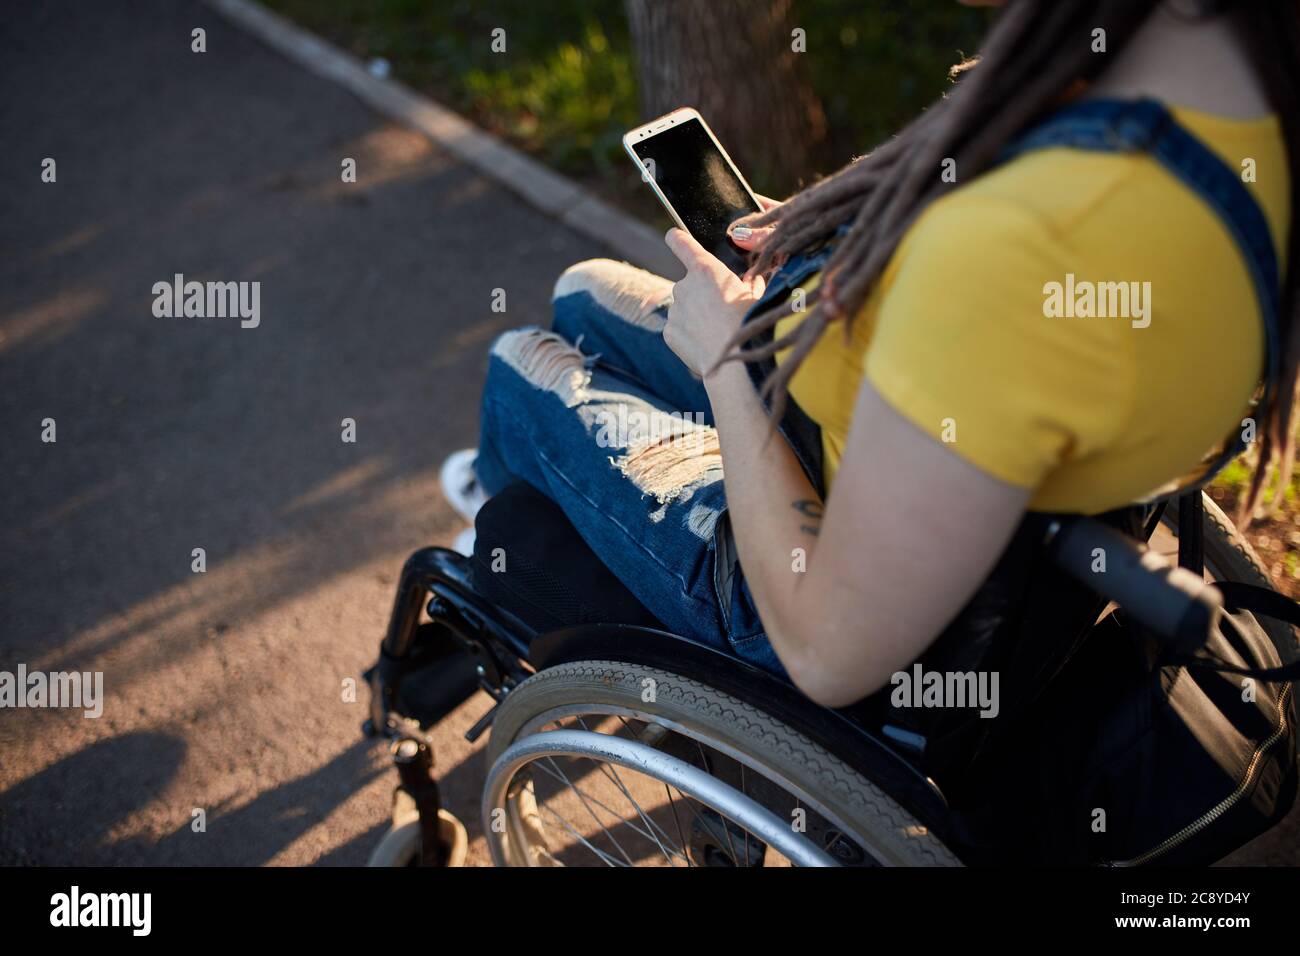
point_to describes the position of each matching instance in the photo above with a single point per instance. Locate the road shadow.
(68, 810)
(180, 433)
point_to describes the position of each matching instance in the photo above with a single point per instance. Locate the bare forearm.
(855, 615)
(775, 513)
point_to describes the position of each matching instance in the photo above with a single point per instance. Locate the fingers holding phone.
(708, 304)
(751, 238)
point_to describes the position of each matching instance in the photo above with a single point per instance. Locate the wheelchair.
(616, 743)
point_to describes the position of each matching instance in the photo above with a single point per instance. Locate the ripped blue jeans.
(600, 416)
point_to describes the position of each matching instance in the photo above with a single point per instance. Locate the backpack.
(1144, 757)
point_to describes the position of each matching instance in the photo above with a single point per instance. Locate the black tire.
(1229, 557)
(768, 746)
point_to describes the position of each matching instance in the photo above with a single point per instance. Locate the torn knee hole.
(547, 361)
(671, 468)
(630, 293)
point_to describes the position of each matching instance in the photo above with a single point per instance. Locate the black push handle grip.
(1175, 603)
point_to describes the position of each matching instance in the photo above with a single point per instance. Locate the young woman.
(950, 396)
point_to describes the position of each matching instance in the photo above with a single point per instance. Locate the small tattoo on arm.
(812, 509)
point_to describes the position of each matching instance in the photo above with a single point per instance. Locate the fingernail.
(742, 233)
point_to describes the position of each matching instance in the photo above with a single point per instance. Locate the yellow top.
(1065, 389)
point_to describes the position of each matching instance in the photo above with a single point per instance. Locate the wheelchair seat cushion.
(530, 560)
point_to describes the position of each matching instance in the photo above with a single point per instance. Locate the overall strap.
(1107, 125)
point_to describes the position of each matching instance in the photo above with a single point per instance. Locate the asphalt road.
(224, 689)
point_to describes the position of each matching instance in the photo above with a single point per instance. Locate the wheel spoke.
(731, 847)
(676, 819)
(612, 775)
(591, 799)
(600, 854)
(583, 798)
(742, 790)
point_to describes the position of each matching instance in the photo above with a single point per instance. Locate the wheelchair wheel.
(1229, 557)
(606, 763)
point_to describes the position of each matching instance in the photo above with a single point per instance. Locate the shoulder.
(965, 338)
(1036, 197)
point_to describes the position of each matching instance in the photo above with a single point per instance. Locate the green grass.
(572, 105)
(565, 89)
(1235, 479)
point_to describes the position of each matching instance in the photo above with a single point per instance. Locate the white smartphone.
(695, 179)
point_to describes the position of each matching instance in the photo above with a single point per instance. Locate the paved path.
(224, 688)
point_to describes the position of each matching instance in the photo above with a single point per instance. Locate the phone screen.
(701, 186)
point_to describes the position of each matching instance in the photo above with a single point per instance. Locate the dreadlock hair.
(1035, 53)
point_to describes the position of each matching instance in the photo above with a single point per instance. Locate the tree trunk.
(734, 61)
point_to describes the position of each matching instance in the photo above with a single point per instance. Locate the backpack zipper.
(1224, 805)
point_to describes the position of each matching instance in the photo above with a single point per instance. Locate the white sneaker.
(460, 485)
(464, 543)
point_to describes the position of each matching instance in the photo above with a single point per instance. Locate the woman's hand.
(708, 304)
(751, 239)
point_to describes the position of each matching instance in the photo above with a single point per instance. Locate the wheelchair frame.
(503, 651)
